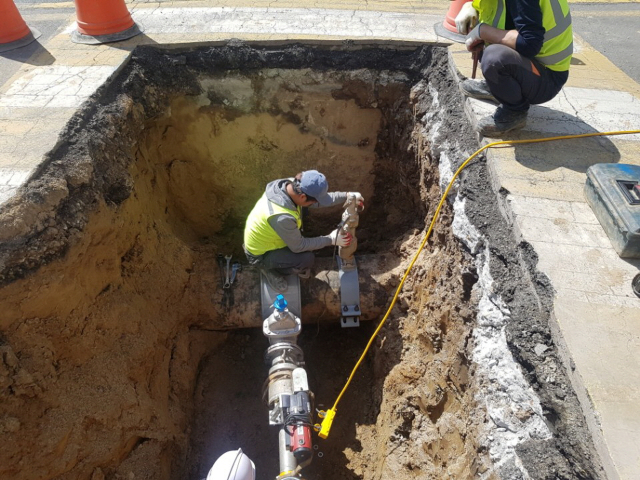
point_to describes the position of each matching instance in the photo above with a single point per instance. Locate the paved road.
(612, 28)
(47, 21)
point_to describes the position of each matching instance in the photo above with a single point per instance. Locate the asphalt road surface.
(614, 30)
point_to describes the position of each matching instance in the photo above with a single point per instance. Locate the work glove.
(466, 19)
(340, 239)
(474, 41)
(359, 199)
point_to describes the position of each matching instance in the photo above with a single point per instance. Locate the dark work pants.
(516, 81)
(283, 260)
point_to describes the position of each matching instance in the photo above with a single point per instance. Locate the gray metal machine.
(613, 191)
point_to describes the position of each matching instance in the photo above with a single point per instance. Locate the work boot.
(276, 281)
(502, 121)
(304, 273)
(477, 89)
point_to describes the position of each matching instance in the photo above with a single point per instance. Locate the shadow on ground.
(576, 154)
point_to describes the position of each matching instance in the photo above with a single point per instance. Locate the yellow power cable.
(330, 414)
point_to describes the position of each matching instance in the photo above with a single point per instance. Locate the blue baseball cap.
(314, 184)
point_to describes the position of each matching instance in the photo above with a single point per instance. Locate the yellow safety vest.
(259, 236)
(557, 48)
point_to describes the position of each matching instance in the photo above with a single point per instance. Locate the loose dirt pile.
(121, 358)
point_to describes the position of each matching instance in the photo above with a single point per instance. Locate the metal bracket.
(292, 294)
(349, 322)
(349, 294)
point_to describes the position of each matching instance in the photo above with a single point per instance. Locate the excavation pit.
(123, 357)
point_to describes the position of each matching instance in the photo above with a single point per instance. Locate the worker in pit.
(526, 60)
(273, 239)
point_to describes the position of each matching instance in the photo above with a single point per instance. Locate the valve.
(280, 303)
(281, 325)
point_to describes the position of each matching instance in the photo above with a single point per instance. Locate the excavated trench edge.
(514, 309)
(514, 299)
(513, 321)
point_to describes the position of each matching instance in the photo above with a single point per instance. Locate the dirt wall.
(117, 363)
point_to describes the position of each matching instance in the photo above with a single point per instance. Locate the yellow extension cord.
(330, 414)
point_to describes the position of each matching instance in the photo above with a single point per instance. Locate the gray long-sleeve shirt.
(285, 225)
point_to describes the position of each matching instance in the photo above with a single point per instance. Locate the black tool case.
(613, 192)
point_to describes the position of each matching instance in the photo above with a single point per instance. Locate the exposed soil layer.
(118, 359)
(570, 453)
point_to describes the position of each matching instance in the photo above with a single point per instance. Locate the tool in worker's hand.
(227, 284)
(235, 268)
(474, 55)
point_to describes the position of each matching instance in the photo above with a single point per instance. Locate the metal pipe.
(288, 462)
(287, 391)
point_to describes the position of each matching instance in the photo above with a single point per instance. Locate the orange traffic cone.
(103, 21)
(14, 32)
(448, 27)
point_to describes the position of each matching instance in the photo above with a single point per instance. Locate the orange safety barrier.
(449, 19)
(102, 17)
(12, 25)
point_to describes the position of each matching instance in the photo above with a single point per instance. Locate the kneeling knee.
(307, 260)
(494, 56)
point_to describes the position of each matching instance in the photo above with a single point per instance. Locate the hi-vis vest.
(259, 236)
(557, 48)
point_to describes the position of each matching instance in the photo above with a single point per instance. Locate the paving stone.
(10, 160)
(542, 208)
(614, 300)
(619, 415)
(604, 342)
(582, 259)
(15, 127)
(532, 187)
(55, 86)
(531, 168)
(15, 177)
(66, 101)
(19, 100)
(569, 293)
(8, 143)
(6, 193)
(562, 231)
(583, 213)
(288, 21)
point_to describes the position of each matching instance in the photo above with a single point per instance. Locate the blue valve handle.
(280, 304)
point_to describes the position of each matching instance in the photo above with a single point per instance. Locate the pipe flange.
(282, 367)
(289, 352)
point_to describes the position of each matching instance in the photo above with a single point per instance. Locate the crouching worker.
(526, 61)
(273, 239)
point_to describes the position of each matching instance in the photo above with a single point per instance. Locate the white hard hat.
(233, 465)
